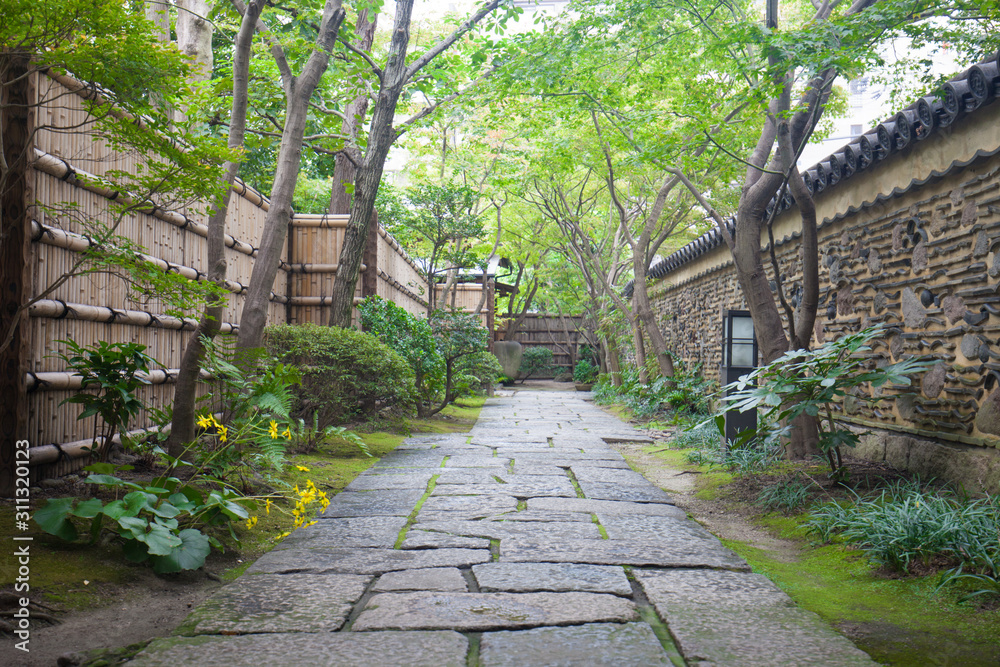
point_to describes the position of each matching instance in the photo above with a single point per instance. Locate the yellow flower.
(287, 434)
(273, 429)
(267, 508)
(205, 421)
(303, 469)
(223, 432)
(251, 522)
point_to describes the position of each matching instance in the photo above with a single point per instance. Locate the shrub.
(346, 374)
(535, 361)
(788, 495)
(584, 372)
(412, 338)
(475, 373)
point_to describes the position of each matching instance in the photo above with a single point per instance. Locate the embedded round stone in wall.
(982, 245)
(820, 332)
(954, 308)
(926, 298)
(896, 347)
(897, 236)
(914, 314)
(995, 268)
(845, 300)
(919, 259)
(970, 346)
(851, 405)
(834, 271)
(988, 417)
(845, 239)
(874, 262)
(957, 196)
(858, 251)
(880, 302)
(970, 214)
(906, 405)
(933, 381)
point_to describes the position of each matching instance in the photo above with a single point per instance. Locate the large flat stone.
(526, 486)
(501, 530)
(389, 502)
(472, 612)
(532, 468)
(337, 649)
(461, 476)
(619, 552)
(476, 461)
(278, 603)
(413, 480)
(644, 528)
(589, 473)
(420, 539)
(595, 644)
(448, 579)
(592, 458)
(555, 577)
(603, 506)
(731, 618)
(414, 458)
(636, 492)
(369, 531)
(473, 503)
(364, 561)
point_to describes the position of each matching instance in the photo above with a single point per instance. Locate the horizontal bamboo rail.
(66, 381)
(63, 170)
(57, 310)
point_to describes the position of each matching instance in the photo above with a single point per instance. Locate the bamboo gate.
(64, 177)
(563, 334)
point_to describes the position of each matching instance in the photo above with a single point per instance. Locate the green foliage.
(476, 372)
(346, 374)
(910, 523)
(810, 382)
(584, 372)
(164, 521)
(749, 458)
(409, 336)
(535, 360)
(305, 437)
(112, 369)
(788, 495)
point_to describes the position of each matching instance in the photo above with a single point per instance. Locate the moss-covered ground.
(898, 620)
(80, 576)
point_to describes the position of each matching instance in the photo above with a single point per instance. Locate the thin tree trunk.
(345, 171)
(381, 136)
(182, 428)
(298, 91)
(158, 12)
(194, 39)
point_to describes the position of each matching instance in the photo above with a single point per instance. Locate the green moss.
(897, 621)
(710, 485)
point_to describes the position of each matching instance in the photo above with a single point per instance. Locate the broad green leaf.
(52, 518)
(189, 555)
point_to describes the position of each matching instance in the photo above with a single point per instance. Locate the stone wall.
(913, 243)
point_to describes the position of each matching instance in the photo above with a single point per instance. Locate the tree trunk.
(298, 91)
(640, 350)
(17, 123)
(381, 136)
(194, 39)
(344, 171)
(158, 12)
(644, 313)
(182, 428)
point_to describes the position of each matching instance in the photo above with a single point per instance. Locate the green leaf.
(88, 509)
(135, 551)
(52, 518)
(133, 527)
(160, 540)
(189, 555)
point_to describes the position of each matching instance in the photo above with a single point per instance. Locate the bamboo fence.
(70, 160)
(562, 334)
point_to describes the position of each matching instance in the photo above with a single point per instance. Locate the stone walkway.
(529, 542)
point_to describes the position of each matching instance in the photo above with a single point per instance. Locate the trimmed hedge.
(346, 375)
